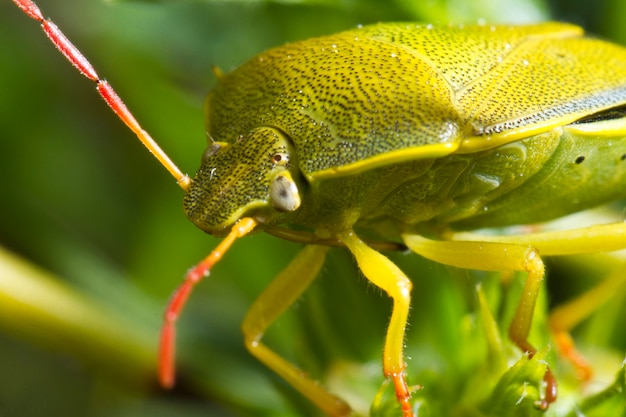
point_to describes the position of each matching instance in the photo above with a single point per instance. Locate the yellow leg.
(566, 316)
(275, 299)
(386, 275)
(496, 256)
(593, 239)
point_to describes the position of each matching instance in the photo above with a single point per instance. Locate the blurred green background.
(102, 241)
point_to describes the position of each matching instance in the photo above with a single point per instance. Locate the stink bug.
(401, 136)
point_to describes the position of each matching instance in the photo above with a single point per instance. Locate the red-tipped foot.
(403, 394)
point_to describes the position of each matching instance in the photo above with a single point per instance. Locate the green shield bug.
(399, 136)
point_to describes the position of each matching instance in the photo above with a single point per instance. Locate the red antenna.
(107, 92)
(243, 227)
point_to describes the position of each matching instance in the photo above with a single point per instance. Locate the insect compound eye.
(280, 158)
(210, 151)
(284, 193)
